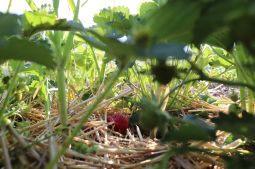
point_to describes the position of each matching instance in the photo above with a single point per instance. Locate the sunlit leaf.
(113, 22)
(147, 8)
(111, 14)
(41, 21)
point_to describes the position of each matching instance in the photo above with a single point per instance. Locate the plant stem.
(32, 5)
(51, 140)
(4, 146)
(55, 6)
(83, 120)
(140, 80)
(9, 6)
(242, 89)
(62, 96)
(61, 71)
(102, 71)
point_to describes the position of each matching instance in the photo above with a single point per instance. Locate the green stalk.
(11, 87)
(83, 120)
(69, 41)
(72, 5)
(61, 71)
(250, 102)
(51, 140)
(55, 6)
(242, 90)
(62, 96)
(9, 6)
(102, 71)
(32, 5)
(139, 78)
(242, 98)
(95, 60)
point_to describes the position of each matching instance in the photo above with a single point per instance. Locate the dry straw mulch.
(111, 149)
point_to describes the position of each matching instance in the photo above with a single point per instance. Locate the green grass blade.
(32, 5)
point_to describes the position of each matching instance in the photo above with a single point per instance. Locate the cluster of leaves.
(114, 22)
(14, 46)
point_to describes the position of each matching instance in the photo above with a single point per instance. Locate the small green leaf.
(113, 22)
(110, 15)
(23, 49)
(147, 8)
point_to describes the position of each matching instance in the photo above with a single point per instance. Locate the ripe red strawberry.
(120, 122)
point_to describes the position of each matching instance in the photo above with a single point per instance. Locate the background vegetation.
(170, 54)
